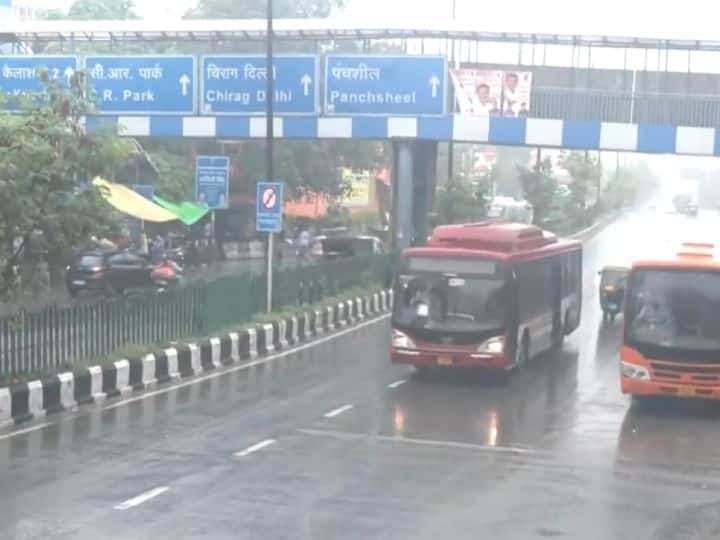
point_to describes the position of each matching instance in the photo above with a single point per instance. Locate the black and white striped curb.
(66, 391)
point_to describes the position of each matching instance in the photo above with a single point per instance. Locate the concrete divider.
(67, 391)
(281, 338)
(6, 416)
(148, 378)
(330, 318)
(341, 315)
(307, 326)
(319, 323)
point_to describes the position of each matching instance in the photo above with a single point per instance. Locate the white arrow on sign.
(434, 83)
(69, 72)
(184, 83)
(306, 81)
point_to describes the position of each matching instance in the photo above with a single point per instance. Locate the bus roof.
(494, 239)
(691, 255)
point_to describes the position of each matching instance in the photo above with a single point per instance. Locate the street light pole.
(451, 146)
(269, 139)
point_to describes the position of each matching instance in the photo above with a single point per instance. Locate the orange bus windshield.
(674, 313)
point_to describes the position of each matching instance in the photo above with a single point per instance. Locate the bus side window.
(534, 290)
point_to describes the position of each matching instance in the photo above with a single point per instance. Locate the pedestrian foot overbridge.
(415, 100)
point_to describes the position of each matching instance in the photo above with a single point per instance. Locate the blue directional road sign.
(269, 207)
(212, 181)
(237, 84)
(20, 75)
(385, 85)
(143, 84)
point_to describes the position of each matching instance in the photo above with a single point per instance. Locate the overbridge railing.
(606, 106)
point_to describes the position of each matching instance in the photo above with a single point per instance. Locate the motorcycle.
(167, 275)
(612, 291)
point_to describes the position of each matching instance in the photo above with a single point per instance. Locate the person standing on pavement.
(157, 251)
(304, 244)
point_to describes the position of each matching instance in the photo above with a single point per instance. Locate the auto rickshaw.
(612, 290)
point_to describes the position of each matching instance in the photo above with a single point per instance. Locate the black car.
(108, 272)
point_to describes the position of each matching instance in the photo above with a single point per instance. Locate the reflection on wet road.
(333, 442)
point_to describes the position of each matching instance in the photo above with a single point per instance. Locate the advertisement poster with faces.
(489, 92)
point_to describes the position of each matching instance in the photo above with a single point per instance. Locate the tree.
(586, 173)
(102, 10)
(510, 163)
(539, 188)
(46, 161)
(252, 9)
(462, 201)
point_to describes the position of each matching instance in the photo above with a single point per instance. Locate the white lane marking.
(344, 435)
(143, 497)
(26, 430)
(397, 384)
(242, 367)
(338, 411)
(255, 447)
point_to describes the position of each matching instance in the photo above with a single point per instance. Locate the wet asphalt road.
(330, 443)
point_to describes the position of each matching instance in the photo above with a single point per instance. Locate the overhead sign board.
(212, 181)
(234, 84)
(269, 207)
(385, 85)
(143, 84)
(20, 75)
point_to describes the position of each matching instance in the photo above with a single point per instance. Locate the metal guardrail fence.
(599, 105)
(59, 336)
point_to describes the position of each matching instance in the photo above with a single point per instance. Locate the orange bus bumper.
(447, 359)
(655, 388)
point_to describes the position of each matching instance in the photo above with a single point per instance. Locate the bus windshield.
(450, 295)
(674, 309)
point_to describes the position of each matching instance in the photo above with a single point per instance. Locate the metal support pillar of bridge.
(414, 182)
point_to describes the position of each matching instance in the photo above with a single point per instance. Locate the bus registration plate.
(445, 361)
(686, 391)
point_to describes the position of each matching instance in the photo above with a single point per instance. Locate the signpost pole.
(269, 140)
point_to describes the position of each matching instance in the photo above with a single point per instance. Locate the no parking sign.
(269, 207)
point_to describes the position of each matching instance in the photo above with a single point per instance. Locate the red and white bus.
(488, 295)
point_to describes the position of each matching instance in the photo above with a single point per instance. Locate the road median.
(271, 334)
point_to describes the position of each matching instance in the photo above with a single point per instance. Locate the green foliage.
(539, 188)
(102, 10)
(508, 169)
(462, 201)
(252, 9)
(586, 172)
(45, 161)
(309, 166)
(175, 173)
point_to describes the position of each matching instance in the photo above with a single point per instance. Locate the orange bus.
(671, 337)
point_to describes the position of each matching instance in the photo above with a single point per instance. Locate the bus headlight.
(634, 371)
(401, 341)
(494, 345)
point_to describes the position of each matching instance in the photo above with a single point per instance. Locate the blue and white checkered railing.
(501, 131)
